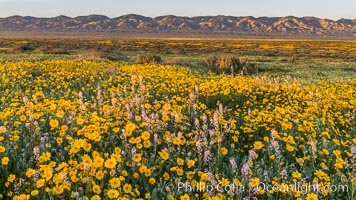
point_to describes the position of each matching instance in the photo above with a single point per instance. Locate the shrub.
(248, 67)
(110, 53)
(230, 65)
(25, 48)
(148, 59)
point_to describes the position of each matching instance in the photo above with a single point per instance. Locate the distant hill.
(307, 26)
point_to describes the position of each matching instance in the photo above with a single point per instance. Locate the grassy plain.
(79, 119)
(307, 59)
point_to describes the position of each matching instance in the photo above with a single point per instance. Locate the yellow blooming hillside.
(103, 130)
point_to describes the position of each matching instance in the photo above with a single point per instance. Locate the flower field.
(103, 130)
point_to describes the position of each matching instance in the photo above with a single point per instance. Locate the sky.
(331, 9)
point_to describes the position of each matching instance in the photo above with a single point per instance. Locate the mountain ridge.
(288, 25)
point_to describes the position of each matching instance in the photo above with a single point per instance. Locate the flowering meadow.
(76, 129)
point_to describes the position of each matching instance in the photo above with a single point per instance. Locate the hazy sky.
(332, 9)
